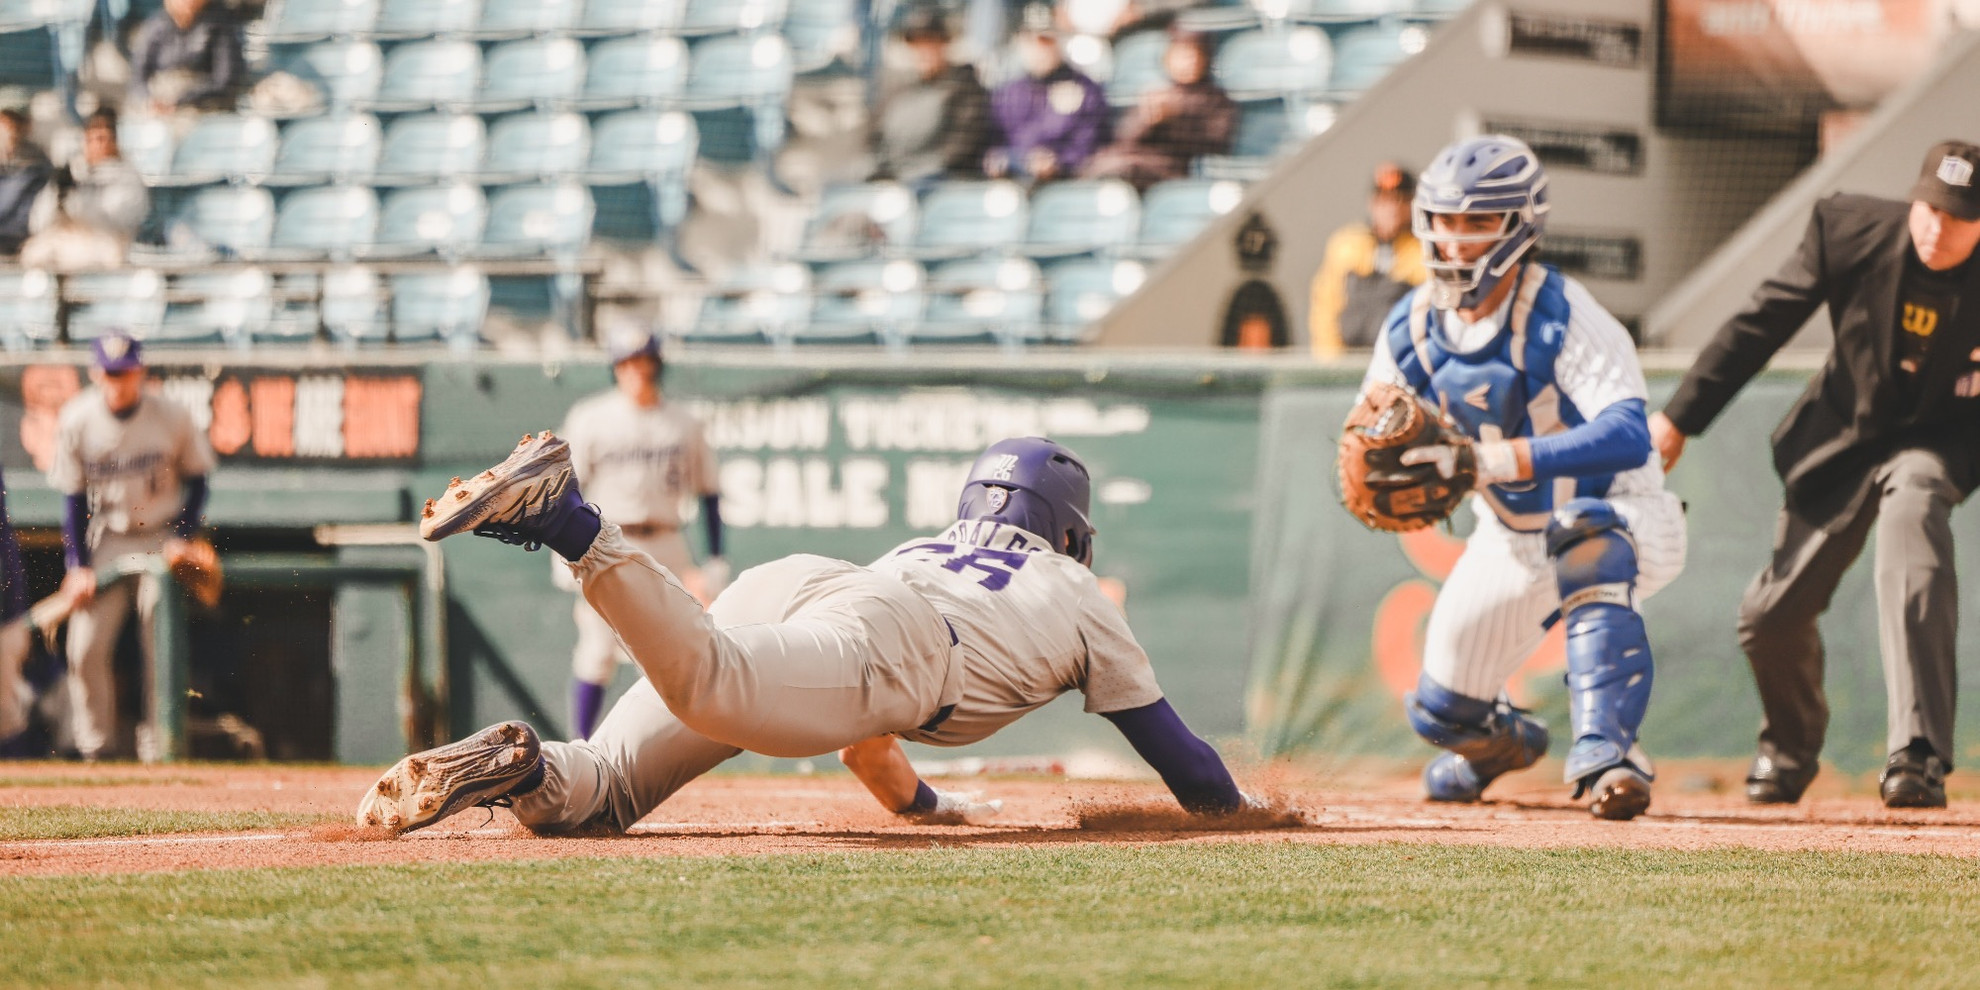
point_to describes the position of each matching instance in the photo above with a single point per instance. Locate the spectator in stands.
(187, 57)
(24, 173)
(103, 202)
(1053, 118)
(1172, 126)
(1367, 268)
(936, 125)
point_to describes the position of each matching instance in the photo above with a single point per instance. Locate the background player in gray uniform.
(944, 641)
(639, 458)
(132, 469)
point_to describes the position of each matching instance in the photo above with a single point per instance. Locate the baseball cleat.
(426, 787)
(1621, 793)
(1772, 781)
(1914, 777)
(509, 501)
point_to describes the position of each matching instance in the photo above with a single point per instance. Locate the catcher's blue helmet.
(1037, 486)
(1490, 174)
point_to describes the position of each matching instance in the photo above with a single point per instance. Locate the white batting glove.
(714, 577)
(958, 808)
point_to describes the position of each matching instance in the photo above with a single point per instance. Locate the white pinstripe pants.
(1487, 618)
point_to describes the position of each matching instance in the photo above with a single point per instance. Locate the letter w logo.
(1920, 320)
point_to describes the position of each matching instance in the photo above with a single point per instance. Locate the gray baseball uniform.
(943, 640)
(638, 465)
(133, 469)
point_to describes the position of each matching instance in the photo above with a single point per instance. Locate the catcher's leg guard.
(1608, 653)
(1486, 739)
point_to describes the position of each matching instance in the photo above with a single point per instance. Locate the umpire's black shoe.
(1914, 777)
(1773, 782)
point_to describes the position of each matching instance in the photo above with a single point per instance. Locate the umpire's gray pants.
(1910, 508)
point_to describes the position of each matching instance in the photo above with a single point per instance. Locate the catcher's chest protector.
(1502, 390)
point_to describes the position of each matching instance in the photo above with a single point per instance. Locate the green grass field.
(1237, 915)
(64, 821)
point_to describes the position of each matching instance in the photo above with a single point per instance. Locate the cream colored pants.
(799, 657)
(597, 655)
(93, 633)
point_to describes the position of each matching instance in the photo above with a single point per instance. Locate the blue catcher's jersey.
(1503, 389)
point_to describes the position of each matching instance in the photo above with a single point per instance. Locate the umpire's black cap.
(1947, 179)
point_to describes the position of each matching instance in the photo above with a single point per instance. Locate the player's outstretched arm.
(1194, 772)
(880, 764)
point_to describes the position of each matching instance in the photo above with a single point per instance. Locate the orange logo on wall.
(1405, 610)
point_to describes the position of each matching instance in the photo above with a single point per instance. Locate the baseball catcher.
(1402, 464)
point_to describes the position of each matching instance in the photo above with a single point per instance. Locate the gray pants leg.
(93, 633)
(1910, 509)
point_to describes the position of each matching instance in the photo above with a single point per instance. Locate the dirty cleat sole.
(526, 484)
(1620, 795)
(426, 787)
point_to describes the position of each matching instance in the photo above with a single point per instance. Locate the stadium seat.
(603, 18)
(338, 147)
(427, 74)
(708, 17)
(638, 172)
(346, 302)
(506, 19)
(820, 31)
(28, 308)
(629, 72)
(1435, 10)
(1329, 11)
(981, 301)
(529, 146)
(324, 222)
(427, 147)
(132, 300)
(406, 20)
(1175, 211)
(739, 71)
(223, 147)
(527, 221)
(345, 73)
(1264, 63)
(1081, 216)
(863, 302)
(232, 221)
(1365, 53)
(1263, 129)
(754, 304)
(29, 15)
(964, 218)
(1081, 292)
(858, 221)
(291, 21)
(532, 72)
(446, 305)
(1138, 67)
(208, 308)
(447, 220)
(146, 142)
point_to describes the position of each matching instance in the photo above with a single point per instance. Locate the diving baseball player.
(1574, 524)
(943, 640)
(132, 468)
(639, 457)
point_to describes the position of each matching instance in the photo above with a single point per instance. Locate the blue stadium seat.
(754, 304)
(506, 19)
(1263, 129)
(702, 17)
(324, 222)
(1435, 10)
(217, 307)
(338, 147)
(964, 218)
(1081, 292)
(739, 70)
(447, 305)
(447, 220)
(1332, 11)
(291, 21)
(29, 15)
(427, 74)
(638, 71)
(638, 172)
(603, 18)
(532, 72)
(981, 301)
(1264, 63)
(529, 146)
(1175, 211)
(232, 221)
(821, 31)
(346, 302)
(406, 20)
(858, 221)
(863, 302)
(346, 73)
(1366, 53)
(28, 308)
(534, 220)
(132, 300)
(426, 147)
(223, 147)
(1081, 216)
(146, 142)
(1138, 67)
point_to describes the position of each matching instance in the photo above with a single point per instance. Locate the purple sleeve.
(75, 530)
(1194, 772)
(13, 597)
(195, 507)
(1617, 439)
(711, 513)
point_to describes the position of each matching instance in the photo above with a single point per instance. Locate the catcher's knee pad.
(1608, 652)
(1493, 737)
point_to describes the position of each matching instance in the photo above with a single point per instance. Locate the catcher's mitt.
(1376, 486)
(198, 568)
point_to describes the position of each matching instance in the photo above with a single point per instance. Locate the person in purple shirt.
(1053, 118)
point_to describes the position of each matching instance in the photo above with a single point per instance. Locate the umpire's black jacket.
(1852, 417)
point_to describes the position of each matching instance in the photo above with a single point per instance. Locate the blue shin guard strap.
(1608, 652)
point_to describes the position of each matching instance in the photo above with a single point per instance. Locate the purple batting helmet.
(1037, 486)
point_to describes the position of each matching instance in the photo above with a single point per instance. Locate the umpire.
(1887, 438)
